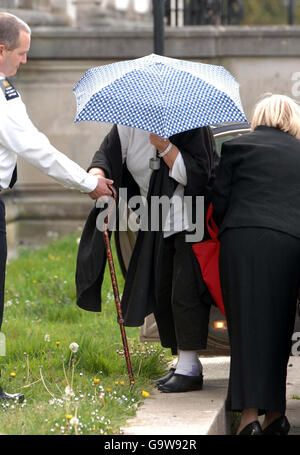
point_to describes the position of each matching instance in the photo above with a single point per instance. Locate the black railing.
(215, 12)
(204, 12)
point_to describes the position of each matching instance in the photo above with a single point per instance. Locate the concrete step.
(203, 412)
(190, 413)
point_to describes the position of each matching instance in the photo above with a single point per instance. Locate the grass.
(83, 392)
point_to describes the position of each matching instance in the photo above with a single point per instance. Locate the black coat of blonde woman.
(256, 204)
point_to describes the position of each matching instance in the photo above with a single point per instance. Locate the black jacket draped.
(198, 151)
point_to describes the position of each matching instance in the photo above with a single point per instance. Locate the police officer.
(18, 136)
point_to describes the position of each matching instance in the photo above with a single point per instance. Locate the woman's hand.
(97, 171)
(159, 143)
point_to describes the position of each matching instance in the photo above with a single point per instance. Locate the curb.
(190, 413)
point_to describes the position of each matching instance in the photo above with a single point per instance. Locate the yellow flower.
(145, 394)
(116, 382)
(108, 390)
(122, 382)
(34, 281)
(12, 374)
(57, 343)
(96, 380)
(69, 416)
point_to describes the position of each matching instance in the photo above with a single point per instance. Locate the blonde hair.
(278, 111)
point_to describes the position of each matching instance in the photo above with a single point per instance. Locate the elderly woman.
(163, 275)
(256, 204)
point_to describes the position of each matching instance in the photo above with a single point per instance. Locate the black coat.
(258, 182)
(200, 158)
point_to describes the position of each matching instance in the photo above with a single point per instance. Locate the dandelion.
(145, 394)
(12, 374)
(74, 347)
(74, 421)
(122, 382)
(116, 382)
(96, 380)
(57, 343)
(69, 416)
(34, 281)
(108, 390)
(69, 392)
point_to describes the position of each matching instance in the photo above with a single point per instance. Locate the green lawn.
(86, 392)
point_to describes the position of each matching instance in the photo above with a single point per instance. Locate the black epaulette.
(8, 89)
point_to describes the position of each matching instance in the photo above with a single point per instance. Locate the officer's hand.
(102, 189)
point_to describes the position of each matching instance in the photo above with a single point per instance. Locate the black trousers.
(182, 311)
(260, 277)
(3, 256)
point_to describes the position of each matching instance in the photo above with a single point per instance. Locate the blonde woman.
(257, 207)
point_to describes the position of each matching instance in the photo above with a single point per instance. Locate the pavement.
(203, 412)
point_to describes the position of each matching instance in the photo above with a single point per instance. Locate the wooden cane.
(115, 286)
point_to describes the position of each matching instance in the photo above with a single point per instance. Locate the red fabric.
(207, 254)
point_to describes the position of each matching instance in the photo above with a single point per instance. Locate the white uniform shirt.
(18, 136)
(136, 151)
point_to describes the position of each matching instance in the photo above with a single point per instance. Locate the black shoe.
(182, 383)
(166, 377)
(279, 427)
(19, 397)
(252, 428)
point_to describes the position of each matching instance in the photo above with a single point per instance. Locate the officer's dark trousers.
(260, 277)
(3, 255)
(183, 314)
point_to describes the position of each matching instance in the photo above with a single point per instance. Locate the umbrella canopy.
(158, 94)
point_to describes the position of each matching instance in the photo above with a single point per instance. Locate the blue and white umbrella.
(158, 94)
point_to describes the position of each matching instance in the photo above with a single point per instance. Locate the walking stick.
(116, 290)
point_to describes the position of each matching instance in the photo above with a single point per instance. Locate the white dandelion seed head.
(69, 392)
(74, 421)
(74, 347)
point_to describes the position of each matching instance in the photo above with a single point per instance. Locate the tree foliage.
(268, 12)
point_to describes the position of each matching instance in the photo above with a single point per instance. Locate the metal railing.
(203, 12)
(216, 12)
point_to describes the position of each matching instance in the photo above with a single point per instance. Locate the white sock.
(188, 363)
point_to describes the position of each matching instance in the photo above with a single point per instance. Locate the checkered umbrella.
(159, 94)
